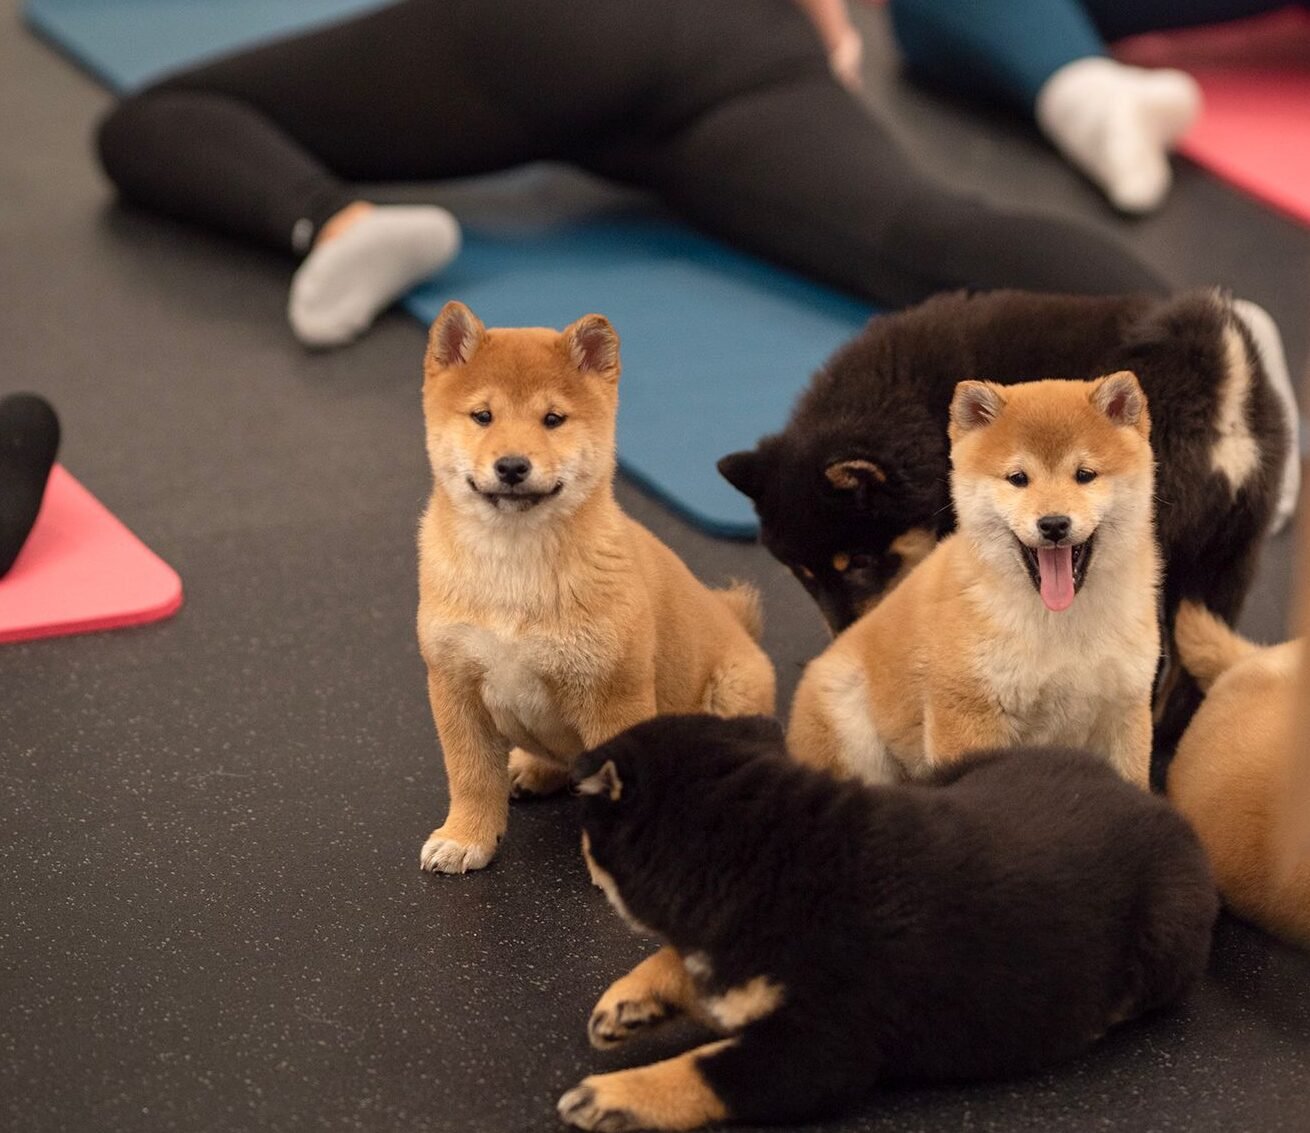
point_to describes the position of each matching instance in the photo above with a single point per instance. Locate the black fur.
(884, 398)
(989, 924)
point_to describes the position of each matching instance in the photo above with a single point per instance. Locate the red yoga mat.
(1254, 130)
(81, 570)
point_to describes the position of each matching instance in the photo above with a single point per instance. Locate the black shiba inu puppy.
(839, 935)
(854, 491)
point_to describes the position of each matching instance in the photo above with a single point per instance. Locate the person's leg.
(1001, 50)
(799, 173)
(262, 145)
(1048, 58)
(1116, 19)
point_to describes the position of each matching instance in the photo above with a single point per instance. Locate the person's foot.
(365, 259)
(29, 439)
(1117, 124)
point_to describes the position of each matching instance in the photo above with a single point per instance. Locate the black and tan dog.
(838, 936)
(854, 491)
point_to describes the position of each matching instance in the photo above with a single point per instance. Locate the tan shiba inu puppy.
(1236, 771)
(549, 621)
(1035, 623)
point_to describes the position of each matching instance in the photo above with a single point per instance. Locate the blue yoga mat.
(716, 344)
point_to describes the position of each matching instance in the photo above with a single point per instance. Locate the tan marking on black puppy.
(606, 884)
(548, 619)
(849, 474)
(1234, 771)
(665, 1095)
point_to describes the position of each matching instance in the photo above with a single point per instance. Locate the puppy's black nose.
(1054, 527)
(513, 469)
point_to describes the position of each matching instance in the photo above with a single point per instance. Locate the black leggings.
(725, 109)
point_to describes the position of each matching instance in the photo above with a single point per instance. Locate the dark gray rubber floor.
(213, 917)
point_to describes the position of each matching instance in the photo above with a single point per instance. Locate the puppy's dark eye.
(1018, 479)
(1084, 475)
(482, 417)
(803, 572)
(553, 420)
(861, 562)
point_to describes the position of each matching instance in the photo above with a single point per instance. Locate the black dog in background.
(842, 935)
(854, 491)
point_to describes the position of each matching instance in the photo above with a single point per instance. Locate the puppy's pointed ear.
(455, 336)
(974, 405)
(593, 346)
(605, 781)
(744, 470)
(1119, 396)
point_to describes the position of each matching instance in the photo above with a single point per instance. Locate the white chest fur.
(508, 622)
(1067, 677)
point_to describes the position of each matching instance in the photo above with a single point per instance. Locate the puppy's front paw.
(531, 775)
(444, 854)
(615, 1019)
(583, 1108)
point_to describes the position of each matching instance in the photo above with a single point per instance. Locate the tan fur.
(1294, 825)
(1234, 769)
(963, 654)
(603, 881)
(665, 1095)
(553, 627)
(671, 1094)
(658, 988)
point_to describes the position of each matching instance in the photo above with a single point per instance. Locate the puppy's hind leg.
(743, 685)
(832, 725)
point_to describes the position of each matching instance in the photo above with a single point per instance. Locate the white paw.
(445, 855)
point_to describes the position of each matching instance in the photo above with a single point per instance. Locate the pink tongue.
(1055, 564)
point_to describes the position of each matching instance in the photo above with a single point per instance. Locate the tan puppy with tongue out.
(1034, 623)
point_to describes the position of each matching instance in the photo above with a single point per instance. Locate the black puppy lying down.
(839, 935)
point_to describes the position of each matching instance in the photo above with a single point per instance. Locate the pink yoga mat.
(1255, 129)
(81, 570)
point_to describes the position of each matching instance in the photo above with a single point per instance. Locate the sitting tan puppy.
(1235, 771)
(1035, 623)
(549, 620)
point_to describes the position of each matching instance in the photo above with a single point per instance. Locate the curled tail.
(1207, 645)
(743, 603)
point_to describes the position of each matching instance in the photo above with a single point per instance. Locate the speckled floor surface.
(213, 917)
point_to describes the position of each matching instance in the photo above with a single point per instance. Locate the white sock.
(345, 282)
(1270, 345)
(1118, 123)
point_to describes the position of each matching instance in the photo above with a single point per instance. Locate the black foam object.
(29, 439)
